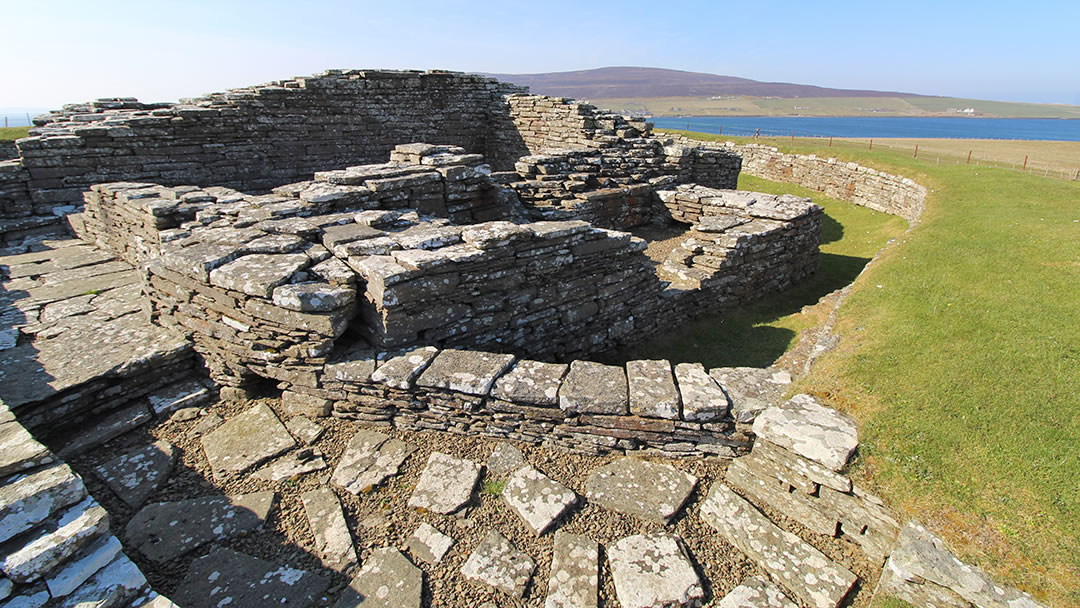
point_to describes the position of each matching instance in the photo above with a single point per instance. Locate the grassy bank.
(13, 133)
(959, 357)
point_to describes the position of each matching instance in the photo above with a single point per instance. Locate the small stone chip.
(429, 544)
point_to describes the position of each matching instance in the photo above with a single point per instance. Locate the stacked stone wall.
(584, 406)
(258, 137)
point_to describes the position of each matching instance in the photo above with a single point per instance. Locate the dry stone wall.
(254, 138)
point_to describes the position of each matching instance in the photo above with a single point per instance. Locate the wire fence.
(928, 153)
(23, 119)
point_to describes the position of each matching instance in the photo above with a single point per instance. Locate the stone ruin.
(459, 287)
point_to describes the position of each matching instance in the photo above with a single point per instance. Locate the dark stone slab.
(227, 578)
(163, 531)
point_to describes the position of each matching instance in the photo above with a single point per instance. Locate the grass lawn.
(756, 334)
(13, 133)
(960, 358)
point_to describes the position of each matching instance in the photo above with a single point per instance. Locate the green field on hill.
(13, 133)
(832, 106)
(959, 357)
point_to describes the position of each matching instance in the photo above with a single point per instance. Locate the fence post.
(757, 132)
(916, 155)
(792, 137)
(871, 143)
(1077, 174)
(721, 129)
(969, 157)
(830, 141)
(1024, 168)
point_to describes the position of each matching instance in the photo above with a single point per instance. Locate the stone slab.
(19, 451)
(429, 544)
(652, 491)
(327, 522)
(750, 390)
(575, 572)
(791, 467)
(446, 484)
(652, 389)
(401, 371)
(539, 500)
(192, 393)
(505, 459)
(236, 580)
(779, 495)
(258, 274)
(498, 563)
(76, 527)
(469, 372)
(304, 429)
(246, 440)
(923, 571)
(82, 566)
(105, 429)
(594, 388)
(531, 383)
(116, 583)
(292, 465)
(653, 570)
(369, 459)
(163, 531)
(387, 580)
(809, 429)
(136, 475)
(756, 592)
(806, 573)
(702, 398)
(30, 499)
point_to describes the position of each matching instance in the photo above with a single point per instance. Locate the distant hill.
(635, 82)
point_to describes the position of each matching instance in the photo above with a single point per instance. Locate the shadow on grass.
(753, 335)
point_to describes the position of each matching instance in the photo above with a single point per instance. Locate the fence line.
(1028, 165)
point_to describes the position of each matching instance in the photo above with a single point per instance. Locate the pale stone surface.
(313, 297)
(192, 393)
(649, 490)
(652, 389)
(300, 404)
(429, 544)
(702, 398)
(114, 584)
(354, 366)
(505, 459)
(810, 576)
(536, 498)
(245, 440)
(531, 383)
(387, 580)
(327, 521)
(778, 459)
(446, 484)
(750, 390)
(756, 592)
(594, 388)
(498, 563)
(34, 597)
(136, 475)
(229, 578)
(258, 274)
(468, 372)
(166, 530)
(307, 460)
(923, 571)
(5, 588)
(809, 429)
(19, 451)
(575, 572)
(402, 370)
(304, 429)
(653, 571)
(78, 526)
(29, 500)
(369, 458)
(82, 566)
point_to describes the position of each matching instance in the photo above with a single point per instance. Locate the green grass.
(13, 133)
(493, 487)
(756, 334)
(960, 358)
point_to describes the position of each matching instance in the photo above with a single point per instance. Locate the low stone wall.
(584, 406)
(892, 194)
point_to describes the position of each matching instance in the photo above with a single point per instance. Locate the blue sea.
(951, 128)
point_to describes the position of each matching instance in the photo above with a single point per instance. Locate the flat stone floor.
(71, 314)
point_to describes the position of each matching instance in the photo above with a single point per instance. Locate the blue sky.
(60, 51)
